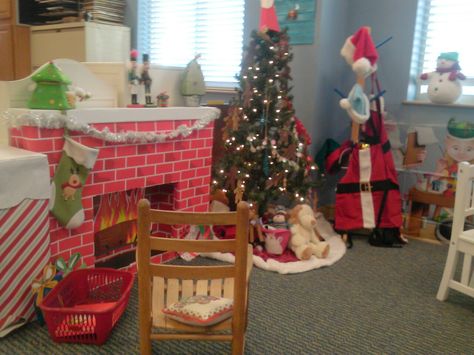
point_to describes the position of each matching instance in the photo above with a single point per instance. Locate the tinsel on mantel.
(54, 120)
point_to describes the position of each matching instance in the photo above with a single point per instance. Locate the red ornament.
(302, 132)
(292, 14)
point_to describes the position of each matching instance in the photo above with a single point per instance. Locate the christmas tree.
(266, 146)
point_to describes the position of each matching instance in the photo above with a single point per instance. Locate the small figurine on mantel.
(162, 99)
(133, 78)
(146, 80)
(192, 85)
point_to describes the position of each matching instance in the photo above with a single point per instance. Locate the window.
(443, 26)
(172, 32)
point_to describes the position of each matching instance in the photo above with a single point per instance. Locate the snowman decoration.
(444, 86)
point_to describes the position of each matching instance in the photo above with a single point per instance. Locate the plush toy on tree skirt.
(304, 241)
(69, 179)
(219, 201)
(444, 86)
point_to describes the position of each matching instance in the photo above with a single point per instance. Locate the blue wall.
(318, 68)
(397, 18)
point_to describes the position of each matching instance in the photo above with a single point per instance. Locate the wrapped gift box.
(24, 231)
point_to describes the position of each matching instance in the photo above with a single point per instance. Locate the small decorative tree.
(193, 86)
(51, 89)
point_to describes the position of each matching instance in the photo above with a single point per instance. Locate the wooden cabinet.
(5, 9)
(6, 46)
(14, 44)
(81, 41)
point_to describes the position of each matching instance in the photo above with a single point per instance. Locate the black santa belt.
(373, 141)
(372, 186)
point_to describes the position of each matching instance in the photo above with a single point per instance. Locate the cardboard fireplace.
(163, 154)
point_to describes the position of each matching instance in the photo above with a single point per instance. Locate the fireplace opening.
(115, 223)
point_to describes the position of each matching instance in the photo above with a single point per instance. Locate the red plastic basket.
(84, 307)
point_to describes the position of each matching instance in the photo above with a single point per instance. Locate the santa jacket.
(370, 174)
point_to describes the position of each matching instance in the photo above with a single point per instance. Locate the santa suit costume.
(370, 182)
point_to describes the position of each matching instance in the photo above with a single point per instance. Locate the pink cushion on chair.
(200, 310)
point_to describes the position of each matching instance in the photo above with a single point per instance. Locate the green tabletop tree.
(51, 89)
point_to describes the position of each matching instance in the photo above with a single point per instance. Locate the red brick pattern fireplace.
(174, 174)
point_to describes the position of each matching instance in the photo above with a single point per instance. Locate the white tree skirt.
(336, 252)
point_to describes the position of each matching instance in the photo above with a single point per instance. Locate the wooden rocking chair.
(162, 284)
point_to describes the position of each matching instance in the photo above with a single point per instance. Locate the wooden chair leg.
(145, 341)
(238, 343)
(145, 345)
(448, 273)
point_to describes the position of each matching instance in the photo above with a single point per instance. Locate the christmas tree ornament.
(293, 12)
(231, 178)
(444, 85)
(290, 152)
(266, 163)
(192, 84)
(239, 192)
(69, 179)
(235, 118)
(51, 91)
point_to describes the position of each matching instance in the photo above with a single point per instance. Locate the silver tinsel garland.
(54, 120)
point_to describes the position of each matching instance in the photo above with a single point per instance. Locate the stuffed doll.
(459, 146)
(280, 217)
(304, 241)
(219, 202)
(444, 86)
(256, 235)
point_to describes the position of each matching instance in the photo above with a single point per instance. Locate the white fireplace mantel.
(114, 115)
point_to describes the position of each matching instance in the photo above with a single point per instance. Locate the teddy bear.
(304, 241)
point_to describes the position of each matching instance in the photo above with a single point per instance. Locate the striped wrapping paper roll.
(24, 251)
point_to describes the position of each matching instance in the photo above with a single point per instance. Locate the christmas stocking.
(69, 178)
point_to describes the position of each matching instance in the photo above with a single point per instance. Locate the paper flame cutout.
(118, 207)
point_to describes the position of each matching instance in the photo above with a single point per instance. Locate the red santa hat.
(359, 52)
(268, 17)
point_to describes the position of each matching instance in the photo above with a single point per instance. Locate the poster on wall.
(298, 16)
(427, 157)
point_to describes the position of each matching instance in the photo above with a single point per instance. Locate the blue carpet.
(373, 301)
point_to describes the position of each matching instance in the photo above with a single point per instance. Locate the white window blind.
(444, 26)
(172, 32)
